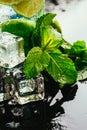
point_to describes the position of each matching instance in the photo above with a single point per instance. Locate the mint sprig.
(79, 52)
(46, 55)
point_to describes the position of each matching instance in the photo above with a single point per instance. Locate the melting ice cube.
(11, 50)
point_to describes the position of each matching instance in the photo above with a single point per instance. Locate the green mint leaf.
(50, 38)
(36, 61)
(62, 69)
(65, 47)
(55, 24)
(80, 63)
(43, 21)
(78, 48)
(81, 66)
(84, 55)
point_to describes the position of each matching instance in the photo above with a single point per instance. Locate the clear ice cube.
(11, 50)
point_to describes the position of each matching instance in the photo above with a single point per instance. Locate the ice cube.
(11, 50)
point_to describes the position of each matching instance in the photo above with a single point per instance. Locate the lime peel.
(10, 2)
(28, 8)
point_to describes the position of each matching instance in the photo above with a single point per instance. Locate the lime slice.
(28, 8)
(10, 2)
(20, 27)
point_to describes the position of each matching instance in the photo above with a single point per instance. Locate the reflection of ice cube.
(11, 50)
(1, 97)
(26, 87)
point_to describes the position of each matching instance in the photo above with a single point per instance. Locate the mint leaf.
(65, 47)
(55, 24)
(84, 55)
(36, 61)
(78, 48)
(62, 69)
(79, 52)
(43, 21)
(81, 66)
(50, 38)
(59, 66)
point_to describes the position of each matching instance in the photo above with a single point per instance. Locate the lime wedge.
(20, 27)
(28, 8)
(10, 2)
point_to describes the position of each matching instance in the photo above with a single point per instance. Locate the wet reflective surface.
(75, 112)
(66, 111)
